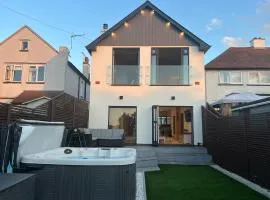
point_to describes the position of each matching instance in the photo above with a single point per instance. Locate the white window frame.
(259, 83)
(22, 41)
(36, 67)
(12, 73)
(230, 83)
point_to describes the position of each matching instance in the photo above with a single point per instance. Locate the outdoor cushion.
(105, 134)
(95, 132)
(117, 133)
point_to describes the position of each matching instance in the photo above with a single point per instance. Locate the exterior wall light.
(168, 24)
(113, 34)
(126, 24)
(152, 12)
(142, 12)
(181, 33)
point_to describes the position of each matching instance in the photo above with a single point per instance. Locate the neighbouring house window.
(41, 73)
(262, 77)
(25, 45)
(226, 77)
(17, 73)
(8, 73)
(36, 73)
(13, 73)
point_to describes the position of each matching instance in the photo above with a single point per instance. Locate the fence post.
(51, 108)
(74, 111)
(8, 113)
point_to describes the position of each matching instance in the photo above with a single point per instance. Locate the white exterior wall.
(59, 76)
(71, 82)
(54, 73)
(144, 96)
(215, 91)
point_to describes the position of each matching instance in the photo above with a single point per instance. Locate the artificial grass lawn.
(178, 182)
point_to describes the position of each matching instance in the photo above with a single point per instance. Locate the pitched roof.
(31, 95)
(241, 58)
(148, 5)
(75, 69)
(31, 30)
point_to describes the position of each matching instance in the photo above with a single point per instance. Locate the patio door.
(124, 117)
(155, 125)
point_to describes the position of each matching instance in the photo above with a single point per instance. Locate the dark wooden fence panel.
(63, 108)
(240, 144)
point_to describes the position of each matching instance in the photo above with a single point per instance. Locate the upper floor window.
(125, 69)
(25, 45)
(259, 77)
(230, 77)
(36, 74)
(13, 73)
(170, 66)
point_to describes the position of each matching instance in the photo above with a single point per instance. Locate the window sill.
(125, 85)
(41, 82)
(265, 84)
(170, 85)
(230, 84)
(13, 82)
(26, 50)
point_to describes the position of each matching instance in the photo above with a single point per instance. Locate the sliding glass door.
(124, 118)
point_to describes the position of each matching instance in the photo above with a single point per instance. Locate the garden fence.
(240, 144)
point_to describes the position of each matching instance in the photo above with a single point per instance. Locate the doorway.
(172, 125)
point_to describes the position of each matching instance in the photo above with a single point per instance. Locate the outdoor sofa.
(105, 137)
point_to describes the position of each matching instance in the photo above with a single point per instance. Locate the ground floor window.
(124, 118)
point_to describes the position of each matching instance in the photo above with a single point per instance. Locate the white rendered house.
(147, 75)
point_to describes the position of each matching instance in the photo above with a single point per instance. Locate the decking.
(148, 157)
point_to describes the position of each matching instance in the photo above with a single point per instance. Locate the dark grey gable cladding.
(148, 5)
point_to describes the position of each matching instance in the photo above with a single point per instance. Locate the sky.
(219, 23)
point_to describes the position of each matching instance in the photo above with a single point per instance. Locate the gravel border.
(140, 186)
(242, 180)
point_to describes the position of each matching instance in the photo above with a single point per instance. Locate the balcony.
(125, 75)
(165, 75)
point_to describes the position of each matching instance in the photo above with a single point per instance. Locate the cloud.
(230, 41)
(266, 27)
(263, 7)
(214, 23)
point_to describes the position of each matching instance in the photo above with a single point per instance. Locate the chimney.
(104, 28)
(86, 67)
(64, 51)
(258, 42)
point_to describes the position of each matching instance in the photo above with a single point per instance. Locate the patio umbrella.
(244, 97)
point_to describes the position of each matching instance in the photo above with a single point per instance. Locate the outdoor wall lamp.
(172, 97)
(121, 97)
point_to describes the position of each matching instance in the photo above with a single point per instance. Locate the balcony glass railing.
(125, 75)
(170, 75)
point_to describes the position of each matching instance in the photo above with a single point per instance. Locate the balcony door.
(125, 69)
(170, 66)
